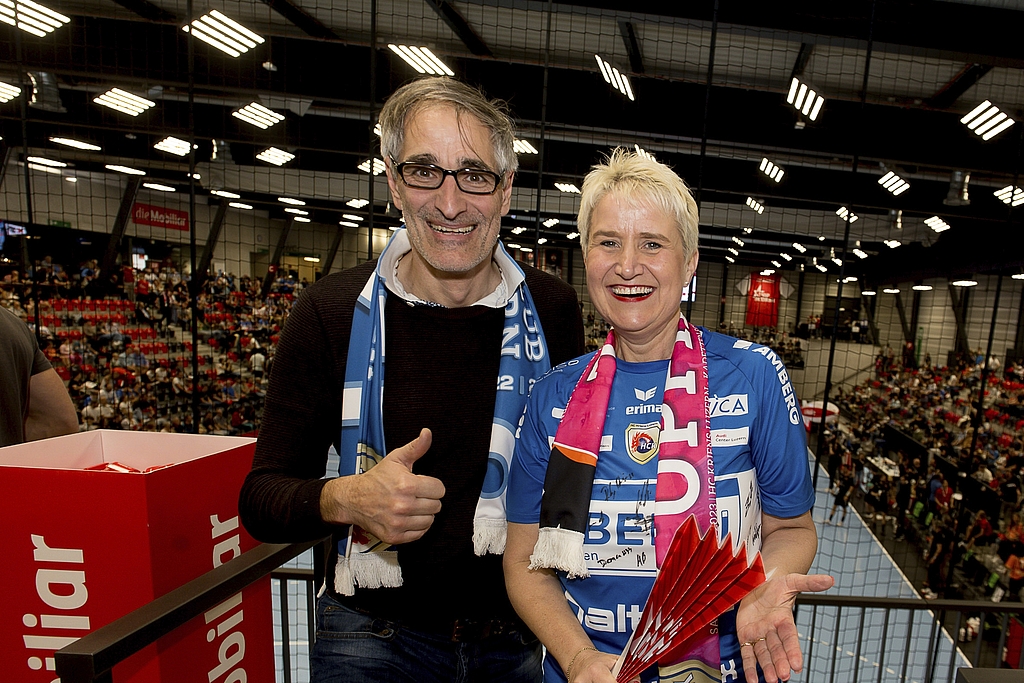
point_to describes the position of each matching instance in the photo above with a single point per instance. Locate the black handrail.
(92, 657)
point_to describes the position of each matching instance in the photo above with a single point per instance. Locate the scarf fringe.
(489, 536)
(560, 549)
(367, 570)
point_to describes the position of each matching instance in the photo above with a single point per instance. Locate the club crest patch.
(642, 441)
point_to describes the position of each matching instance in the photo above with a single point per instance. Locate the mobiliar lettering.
(224, 619)
(60, 589)
(160, 217)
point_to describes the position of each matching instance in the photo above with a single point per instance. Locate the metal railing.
(886, 632)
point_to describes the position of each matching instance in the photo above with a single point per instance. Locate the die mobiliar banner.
(158, 216)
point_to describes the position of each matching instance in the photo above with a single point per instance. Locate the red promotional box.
(100, 523)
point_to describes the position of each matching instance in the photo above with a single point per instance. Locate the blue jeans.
(354, 646)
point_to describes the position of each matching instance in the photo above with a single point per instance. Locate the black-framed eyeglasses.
(431, 177)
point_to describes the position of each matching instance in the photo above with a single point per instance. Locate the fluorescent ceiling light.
(240, 205)
(223, 33)
(31, 17)
(860, 253)
(8, 92)
(922, 288)
(513, 245)
(894, 183)
(378, 166)
(275, 156)
(838, 261)
(776, 264)
(821, 267)
(892, 244)
(158, 187)
(891, 290)
(799, 247)
(124, 102)
(730, 259)
(848, 280)
(297, 212)
(964, 283)
(300, 219)
(528, 250)
(755, 205)
(421, 59)
(805, 99)
(747, 231)
(518, 230)
(568, 187)
(173, 145)
(542, 240)
(311, 259)
(771, 170)
(615, 78)
(196, 176)
(44, 169)
(523, 147)
(257, 115)
(289, 200)
(1018, 276)
(987, 120)
(868, 292)
(767, 271)
(550, 223)
(573, 235)
(351, 217)
(785, 256)
(226, 194)
(348, 224)
(733, 251)
(124, 169)
(643, 152)
(1010, 195)
(77, 144)
(738, 241)
(357, 203)
(936, 224)
(43, 161)
(843, 212)
(71, 179)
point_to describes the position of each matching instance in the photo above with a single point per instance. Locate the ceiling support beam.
(636, 58)
(203, 269)
(124, 212)
(959, 306)
(457, 23)
(802, 57)
(275, 261)
(303, 20)
(147, 10)
(951, 92)
(901, 309)
(332, 252)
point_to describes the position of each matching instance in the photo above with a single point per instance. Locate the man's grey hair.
(425, 92)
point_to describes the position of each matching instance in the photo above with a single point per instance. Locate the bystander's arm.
(50, 410)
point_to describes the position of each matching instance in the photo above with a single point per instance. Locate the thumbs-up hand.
(388, 500)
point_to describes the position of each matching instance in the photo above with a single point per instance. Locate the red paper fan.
(698, 581)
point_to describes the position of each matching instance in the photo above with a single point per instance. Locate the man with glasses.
(414, 588)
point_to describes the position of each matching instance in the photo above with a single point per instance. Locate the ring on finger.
(750, 643)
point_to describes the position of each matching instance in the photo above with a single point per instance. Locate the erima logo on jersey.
(643, 410)
(730, 437)
(645, 395)
(741, 344)
(733, 404)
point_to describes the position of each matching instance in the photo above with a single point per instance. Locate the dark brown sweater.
(441, 372)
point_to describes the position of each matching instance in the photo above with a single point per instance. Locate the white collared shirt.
(511, 275)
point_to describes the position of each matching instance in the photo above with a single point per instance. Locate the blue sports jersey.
(760, 456)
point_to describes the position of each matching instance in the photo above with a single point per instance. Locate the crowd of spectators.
(957, 493)
(122, 342)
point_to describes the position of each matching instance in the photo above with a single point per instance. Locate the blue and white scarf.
(364, 560)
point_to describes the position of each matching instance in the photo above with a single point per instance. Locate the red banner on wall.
(158, 216)
(763, 301)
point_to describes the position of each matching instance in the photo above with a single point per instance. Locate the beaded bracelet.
(568, 669)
